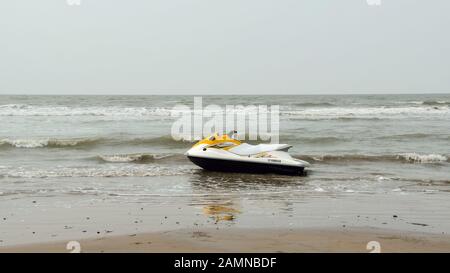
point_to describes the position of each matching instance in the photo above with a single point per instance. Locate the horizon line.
(222, 94)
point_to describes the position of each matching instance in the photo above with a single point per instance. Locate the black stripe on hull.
(222, 165)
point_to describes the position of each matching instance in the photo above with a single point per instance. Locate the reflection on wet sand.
(216, 181)
(220, 212)
(215, 188)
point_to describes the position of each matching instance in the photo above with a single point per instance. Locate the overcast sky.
(224, 46)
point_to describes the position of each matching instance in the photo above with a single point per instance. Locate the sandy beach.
(253, 240)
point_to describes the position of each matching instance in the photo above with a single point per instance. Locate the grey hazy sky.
(216, 46)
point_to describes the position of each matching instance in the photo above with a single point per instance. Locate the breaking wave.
(105, 111)
(309, 111)
(313, 104)
(89, 142)
(108, 171)
(417, 158)
(141, 158)
(366, 112)
(404, 158)
(51, 143)
(436, 103)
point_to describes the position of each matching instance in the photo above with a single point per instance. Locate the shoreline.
(251, 240)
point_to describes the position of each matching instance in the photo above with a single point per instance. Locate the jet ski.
(226, 154)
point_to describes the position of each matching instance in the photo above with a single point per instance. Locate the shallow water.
(116, 151)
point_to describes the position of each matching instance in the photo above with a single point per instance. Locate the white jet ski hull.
(240, 166)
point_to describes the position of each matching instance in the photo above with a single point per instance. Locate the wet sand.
(278, 222)
(254, 240)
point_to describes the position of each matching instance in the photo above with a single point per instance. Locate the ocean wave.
(366, 113)
(309, 111)
(105, 111)
(314, 104)
(141, 158)
(436, 102)
(314, 140)
(407, 136)
(404, 158)
(166, 140)
(418, 158)
(51, 143)
(106, 171)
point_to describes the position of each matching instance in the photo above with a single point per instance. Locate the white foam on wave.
(128, 158)
(402, 157)
(121, 171)
(106, 111)
(25, 143)
(367, 112)
(418, 158)
(121, 112)
(381, 178)
(46, 142)
(120, 158)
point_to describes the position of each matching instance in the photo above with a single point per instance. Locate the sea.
(375, 155)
